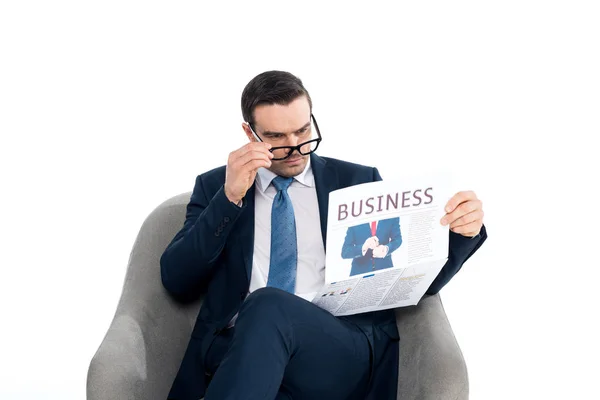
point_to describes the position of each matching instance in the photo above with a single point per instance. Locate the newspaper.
(385, 244)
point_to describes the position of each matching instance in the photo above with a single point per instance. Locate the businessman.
(253, 245)
(370, 245)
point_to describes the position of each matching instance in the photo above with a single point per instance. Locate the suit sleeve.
(376, 176)
(350, 249)
(395, 236)
(461, 248)
(187, 263)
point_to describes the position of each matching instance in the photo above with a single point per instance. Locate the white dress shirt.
(310, 271)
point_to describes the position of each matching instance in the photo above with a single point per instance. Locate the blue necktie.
(284, 248)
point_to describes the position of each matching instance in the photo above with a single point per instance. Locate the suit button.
(217, 234)
(242, 295)
(226, 219)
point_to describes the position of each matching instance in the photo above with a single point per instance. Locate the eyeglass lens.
(304, 150)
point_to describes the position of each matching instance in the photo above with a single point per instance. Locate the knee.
(266, 304)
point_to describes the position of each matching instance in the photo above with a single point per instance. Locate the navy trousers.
(284, 347)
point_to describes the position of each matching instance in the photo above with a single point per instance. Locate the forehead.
(283, 118)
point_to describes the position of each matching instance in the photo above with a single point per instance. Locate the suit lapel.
(246, 223)
(326, 180)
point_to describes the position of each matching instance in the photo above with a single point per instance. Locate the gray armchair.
(141, 352)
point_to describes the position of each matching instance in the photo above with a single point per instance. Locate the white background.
(108, 108)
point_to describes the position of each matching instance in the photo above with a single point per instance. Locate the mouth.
(294, 160)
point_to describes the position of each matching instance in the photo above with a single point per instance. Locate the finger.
(459, 198)
(252, 165)
(256, 164)
(473, 216)
(471, 229)
(249, 147)
(256, 149)
(461, 210)
(250, 156)
(256, 145)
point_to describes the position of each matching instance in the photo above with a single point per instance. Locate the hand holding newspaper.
(385, 244)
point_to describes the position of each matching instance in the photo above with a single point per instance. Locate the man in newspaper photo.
(370, 246)
(253, 247)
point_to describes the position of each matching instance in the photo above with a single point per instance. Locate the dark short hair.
(271, 87)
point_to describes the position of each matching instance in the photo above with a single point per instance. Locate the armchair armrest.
(432, 366)
(138, 358)
(143, 348)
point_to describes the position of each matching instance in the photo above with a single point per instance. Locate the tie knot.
(282, 183)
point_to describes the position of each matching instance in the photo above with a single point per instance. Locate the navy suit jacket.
(388, 234)
(212, 256)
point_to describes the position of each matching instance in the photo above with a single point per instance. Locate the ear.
(248, 132)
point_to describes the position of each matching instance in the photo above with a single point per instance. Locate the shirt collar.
(306, 177)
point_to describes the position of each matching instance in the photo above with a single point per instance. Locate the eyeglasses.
(283, 152)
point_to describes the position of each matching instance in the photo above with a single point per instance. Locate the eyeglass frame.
(293, 148)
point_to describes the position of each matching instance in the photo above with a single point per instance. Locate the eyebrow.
(272, 133)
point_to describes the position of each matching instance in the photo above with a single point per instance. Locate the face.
(287, 125)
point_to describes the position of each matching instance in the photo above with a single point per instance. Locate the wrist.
(234, 200)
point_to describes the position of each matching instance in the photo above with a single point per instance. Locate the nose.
(291, 140)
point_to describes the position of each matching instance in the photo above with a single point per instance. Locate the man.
(253, 244)
(370, 245)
